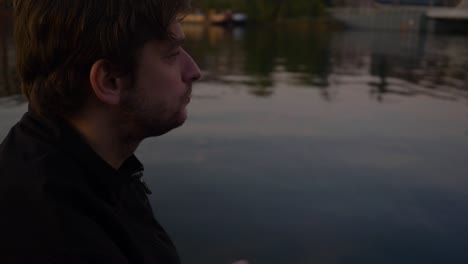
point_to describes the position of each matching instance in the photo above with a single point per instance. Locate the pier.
(427, 16)
(458, 13)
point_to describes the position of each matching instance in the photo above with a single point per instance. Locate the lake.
(309, 146)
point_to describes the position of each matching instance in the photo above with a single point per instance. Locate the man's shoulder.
(44, 202)
(34, 174)
(26, 162)
(23, 147)
(28, 169)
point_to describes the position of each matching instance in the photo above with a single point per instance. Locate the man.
(99, 76)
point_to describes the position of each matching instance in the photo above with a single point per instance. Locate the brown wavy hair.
(57, 42)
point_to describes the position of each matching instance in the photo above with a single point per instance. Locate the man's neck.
(104, 137)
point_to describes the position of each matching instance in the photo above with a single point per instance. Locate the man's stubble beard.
(146, 120)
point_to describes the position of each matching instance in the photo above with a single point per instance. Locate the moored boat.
(220, 18)
(196, 17)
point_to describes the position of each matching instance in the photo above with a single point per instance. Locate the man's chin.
(177, 121)
(180, 117)
(183, 115)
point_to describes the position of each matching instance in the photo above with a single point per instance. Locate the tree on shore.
(266, 10)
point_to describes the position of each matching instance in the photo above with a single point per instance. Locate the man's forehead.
(177, 39)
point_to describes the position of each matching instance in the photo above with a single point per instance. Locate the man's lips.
(187, 99)
(188, 95)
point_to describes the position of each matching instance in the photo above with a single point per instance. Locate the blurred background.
(322, 132)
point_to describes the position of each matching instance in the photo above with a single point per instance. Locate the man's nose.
(191, 71)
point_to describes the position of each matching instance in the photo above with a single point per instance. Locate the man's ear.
(105, 84)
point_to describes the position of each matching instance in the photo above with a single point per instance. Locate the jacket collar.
(67, 139)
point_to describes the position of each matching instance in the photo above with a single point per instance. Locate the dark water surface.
(307, 146)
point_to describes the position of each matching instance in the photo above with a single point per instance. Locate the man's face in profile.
(162, 86)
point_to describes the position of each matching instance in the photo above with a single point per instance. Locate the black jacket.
(61, 203)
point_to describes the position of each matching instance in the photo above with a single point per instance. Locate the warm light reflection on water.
(308, 146)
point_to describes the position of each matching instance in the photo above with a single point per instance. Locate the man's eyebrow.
(176, 42)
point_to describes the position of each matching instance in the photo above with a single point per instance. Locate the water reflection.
(303, 55)
(388, 63)
(7, 86)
